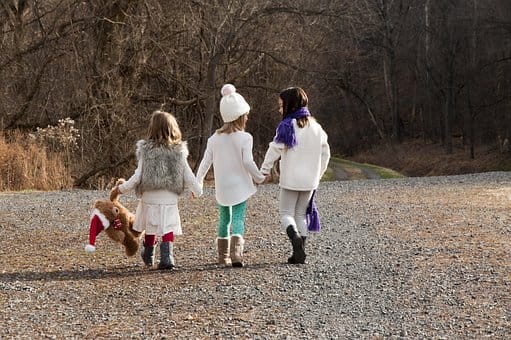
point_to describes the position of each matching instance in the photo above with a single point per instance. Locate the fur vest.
(163, 167)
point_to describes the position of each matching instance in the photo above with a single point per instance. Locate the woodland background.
(79, 79)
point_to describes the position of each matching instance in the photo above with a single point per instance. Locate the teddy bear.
(117, 222)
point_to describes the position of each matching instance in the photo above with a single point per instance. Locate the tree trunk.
(210, 105)
(428, 114)
(449, 98)
(471, 113)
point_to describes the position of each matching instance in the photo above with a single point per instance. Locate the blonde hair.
(163, 129)
(236, 125)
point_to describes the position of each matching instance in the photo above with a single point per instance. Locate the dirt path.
(345, 172)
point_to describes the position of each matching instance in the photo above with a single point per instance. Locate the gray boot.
(166, 255)
(147, 255)
(298, 244)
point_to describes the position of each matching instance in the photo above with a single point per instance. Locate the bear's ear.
(97, 204)
(100, 205)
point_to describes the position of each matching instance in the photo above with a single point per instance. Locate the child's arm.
(325, 152)
(191, 182)
(204, 166)
(272, 154)
(248, 161)
(133, 181)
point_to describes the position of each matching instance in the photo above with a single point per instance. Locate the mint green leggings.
(232, 215)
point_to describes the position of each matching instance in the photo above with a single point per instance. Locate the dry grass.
(415, 158)
(26, 165)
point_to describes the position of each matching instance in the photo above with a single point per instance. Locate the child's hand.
(193, 195)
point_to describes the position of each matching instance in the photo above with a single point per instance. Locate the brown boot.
(223, 251)
(237, 251)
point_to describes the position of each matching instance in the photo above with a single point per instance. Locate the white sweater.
(233, 165)
(301, 167)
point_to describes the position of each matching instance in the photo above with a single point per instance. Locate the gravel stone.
(407, 258)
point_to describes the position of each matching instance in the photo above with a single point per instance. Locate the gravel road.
(410, 258)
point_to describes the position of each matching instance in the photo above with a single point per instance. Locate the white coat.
(301, 167)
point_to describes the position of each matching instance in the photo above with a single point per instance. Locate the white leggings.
(293, 205)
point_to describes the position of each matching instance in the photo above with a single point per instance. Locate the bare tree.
(369, 66)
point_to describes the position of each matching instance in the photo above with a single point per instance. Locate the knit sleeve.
(205, 164)
(325, 152)
(134, 179)
(272, 155)
(191, 182)
(248, 160)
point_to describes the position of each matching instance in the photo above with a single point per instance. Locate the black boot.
(148, 255)
(298, 246)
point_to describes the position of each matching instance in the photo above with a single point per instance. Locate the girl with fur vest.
(161, 176)
(302, 147)
(229, 150)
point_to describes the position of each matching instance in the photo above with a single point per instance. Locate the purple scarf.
(285, 130)
(312, 216)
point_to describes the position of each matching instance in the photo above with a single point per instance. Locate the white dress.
(157, 211)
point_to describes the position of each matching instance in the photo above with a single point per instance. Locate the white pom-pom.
(90, 248)
(227, 89)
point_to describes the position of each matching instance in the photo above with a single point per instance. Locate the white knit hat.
(232, 104)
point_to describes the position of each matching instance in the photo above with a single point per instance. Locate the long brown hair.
(236, 125)
(163, 129)
(294, 98)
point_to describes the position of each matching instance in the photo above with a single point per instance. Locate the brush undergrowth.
(38, 161)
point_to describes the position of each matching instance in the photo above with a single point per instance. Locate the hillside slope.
(416, 158)
(345, 170)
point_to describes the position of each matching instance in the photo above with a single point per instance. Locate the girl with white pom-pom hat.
(229, 150)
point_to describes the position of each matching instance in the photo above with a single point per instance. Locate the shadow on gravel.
(122, 272)
(71, 275)
(247, 267)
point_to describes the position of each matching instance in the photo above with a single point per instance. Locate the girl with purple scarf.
(301, 144)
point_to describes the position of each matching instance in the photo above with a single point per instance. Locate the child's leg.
(300, 209)
(238, 219)
(149, 240)
(224, 219)
(238, 231)
(168, 237)
(287, 208)
(167, 252)
(148, 250)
